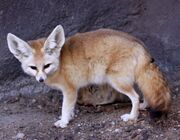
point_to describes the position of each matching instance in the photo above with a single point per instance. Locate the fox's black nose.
(41, 80)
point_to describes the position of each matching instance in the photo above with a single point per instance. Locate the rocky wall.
(155, 22)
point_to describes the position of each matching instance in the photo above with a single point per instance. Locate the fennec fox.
(102, 56)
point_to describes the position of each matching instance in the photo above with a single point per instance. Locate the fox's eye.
(33, 67)
(47, 65)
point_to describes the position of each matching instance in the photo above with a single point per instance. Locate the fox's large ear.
(55, 41)
(18, 47)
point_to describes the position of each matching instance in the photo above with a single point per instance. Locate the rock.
(19, 136)
(134, 135)
(5, 109)
(113, 123)
(39, 106)
(161, 135)
(129, 128)
(148, 20)
(118, 130)
(33, 100)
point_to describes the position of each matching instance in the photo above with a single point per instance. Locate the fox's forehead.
(37, 46)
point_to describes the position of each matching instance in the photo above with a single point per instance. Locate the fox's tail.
(155, 88)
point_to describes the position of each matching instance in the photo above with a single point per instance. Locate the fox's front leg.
(69, 101)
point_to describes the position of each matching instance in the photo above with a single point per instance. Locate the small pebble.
(91, 135)
(5, 108)
(177, 89)
(116, 130)
(113, 123)
(109, 130)
(39, 106)
(33, 100)
(19, 136)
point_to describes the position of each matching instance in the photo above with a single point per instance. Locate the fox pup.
(101, 56)
(99, 95)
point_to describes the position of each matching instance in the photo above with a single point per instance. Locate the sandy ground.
(30, 118)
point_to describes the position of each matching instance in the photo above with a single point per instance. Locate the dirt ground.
(30, 118)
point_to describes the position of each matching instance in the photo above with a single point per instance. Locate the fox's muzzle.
(41, 77)
(41, 80)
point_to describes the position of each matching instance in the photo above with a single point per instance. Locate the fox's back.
(96, 53)
(101, 41)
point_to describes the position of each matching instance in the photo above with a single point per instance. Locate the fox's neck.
(58, 79)
(54, 80)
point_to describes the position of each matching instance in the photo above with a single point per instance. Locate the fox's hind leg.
(69, 100)
(123, 86)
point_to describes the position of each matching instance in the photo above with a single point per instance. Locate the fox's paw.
(127, 117)
(60, 123)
